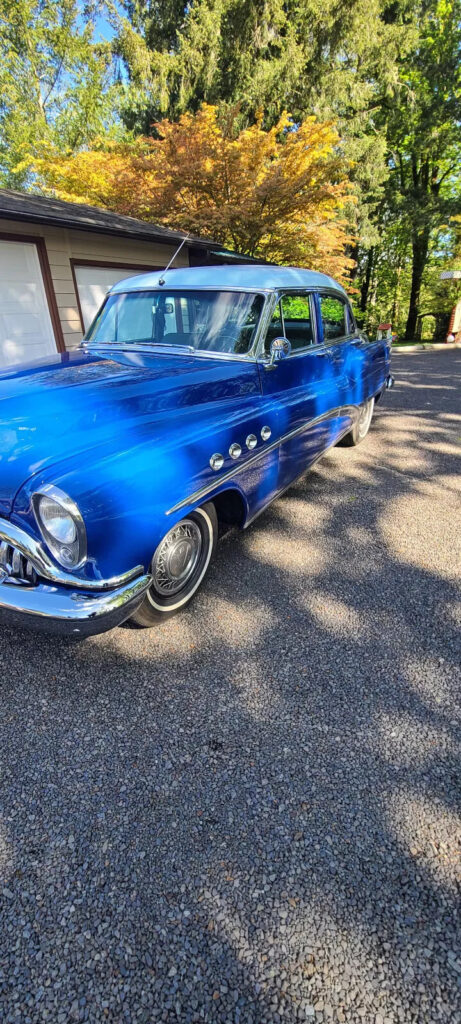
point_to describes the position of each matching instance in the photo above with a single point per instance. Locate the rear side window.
(334, 317)
(297, 320)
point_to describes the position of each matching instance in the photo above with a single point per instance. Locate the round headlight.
(61, 526)
(57, 521)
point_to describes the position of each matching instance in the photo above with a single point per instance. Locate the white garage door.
(26, 330)
(93, 283)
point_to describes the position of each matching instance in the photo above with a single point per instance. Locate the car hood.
(55, 410)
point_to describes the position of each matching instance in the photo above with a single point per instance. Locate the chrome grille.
(17, 567)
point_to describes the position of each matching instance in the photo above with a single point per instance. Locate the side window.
(297, 320)
(333, 312)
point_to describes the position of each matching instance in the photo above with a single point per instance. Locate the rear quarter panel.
(366, 367)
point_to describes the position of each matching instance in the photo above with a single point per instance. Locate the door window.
(291, 319)
(333, 312)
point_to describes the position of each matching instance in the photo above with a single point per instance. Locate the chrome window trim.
(310, 350)
(213, 485)
(339, 341)
(193, 288)
(45, 567)
(174, 350)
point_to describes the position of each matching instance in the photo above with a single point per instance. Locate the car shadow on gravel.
(250, 813)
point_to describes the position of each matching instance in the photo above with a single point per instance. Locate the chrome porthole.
(235, 450)
(266, 433)
(217, 461)
(251, 441)
(176, 557)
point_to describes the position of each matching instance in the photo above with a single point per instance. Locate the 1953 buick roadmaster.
(197, 396)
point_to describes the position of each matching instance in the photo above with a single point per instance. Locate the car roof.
(259, 277)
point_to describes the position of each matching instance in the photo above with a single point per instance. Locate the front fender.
(127, 496)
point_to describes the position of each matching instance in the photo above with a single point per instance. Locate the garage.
(93, 281)
(26, 329)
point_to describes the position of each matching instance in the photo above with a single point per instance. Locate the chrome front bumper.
(35, 593)
(57, 609)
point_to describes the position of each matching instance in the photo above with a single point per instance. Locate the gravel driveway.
(250, 814)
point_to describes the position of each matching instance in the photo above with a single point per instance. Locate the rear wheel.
(361, 426)
(179, 565)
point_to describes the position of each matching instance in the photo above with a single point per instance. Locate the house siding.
(64, 245)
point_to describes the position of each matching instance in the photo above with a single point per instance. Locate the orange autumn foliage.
(278, 194)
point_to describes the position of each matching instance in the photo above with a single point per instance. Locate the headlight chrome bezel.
(53, 493)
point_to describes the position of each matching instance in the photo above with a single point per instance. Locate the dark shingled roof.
(37, 209)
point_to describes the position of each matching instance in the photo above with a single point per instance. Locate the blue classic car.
(197, 396)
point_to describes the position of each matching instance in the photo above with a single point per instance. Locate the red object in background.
(454, 326)
(385, 332)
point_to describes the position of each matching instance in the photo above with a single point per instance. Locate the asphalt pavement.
(251, 813)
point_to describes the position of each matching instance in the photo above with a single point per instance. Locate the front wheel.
(361, 426)
(179, 565)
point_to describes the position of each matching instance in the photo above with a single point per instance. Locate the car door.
(355, 362)
(301, 389)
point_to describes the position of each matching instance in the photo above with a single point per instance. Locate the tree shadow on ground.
(261, 797)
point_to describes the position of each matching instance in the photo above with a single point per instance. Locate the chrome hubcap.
(176, 557)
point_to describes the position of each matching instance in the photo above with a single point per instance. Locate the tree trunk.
(420, 247)
(353, 253)
(367, 279)
(395, 304)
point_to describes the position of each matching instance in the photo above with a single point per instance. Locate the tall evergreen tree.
(423, 123)
(386, 70)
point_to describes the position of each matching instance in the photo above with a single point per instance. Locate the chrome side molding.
(191, 499)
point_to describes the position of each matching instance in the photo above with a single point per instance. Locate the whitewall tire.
(179, 565)
(361, 426)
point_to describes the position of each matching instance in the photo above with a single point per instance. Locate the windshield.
(210, 321)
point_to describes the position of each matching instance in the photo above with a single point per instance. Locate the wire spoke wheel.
(176, 557)
(179, 565)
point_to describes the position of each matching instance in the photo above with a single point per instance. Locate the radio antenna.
(161, 279)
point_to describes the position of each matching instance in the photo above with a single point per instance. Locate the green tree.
(386, 71)
(56, 83)
(423, 123)
(333, 61)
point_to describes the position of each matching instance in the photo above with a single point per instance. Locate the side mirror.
(280, 349)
